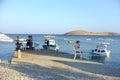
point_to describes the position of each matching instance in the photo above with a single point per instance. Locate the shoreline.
(52, 65)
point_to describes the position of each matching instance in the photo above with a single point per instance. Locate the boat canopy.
(5, 38)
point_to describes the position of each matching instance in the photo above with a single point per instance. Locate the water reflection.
(6, 51)
(101, 59)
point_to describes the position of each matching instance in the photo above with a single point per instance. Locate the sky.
(59, 16)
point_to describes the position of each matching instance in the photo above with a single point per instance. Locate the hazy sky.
(59, 16)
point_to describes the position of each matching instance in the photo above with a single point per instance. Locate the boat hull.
(51, 47)
(95, 53)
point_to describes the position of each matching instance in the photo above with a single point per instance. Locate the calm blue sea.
(87, 44)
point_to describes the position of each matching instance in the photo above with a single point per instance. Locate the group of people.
(29, 44)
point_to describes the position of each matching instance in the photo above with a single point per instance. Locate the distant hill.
(83, 32)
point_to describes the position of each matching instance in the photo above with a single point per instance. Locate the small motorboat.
(88, 39)
(101, 50)
(50, 44)
(23, 42)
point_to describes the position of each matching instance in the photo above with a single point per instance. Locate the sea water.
(87, 43)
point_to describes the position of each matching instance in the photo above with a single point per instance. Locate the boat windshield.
(101, 45)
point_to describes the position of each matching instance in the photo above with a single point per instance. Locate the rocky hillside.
(82, 32)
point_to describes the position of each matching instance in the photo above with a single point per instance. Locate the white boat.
(52, 45)
(88, 39)
(23, 42)
(101, 50)
(5, 38)
(50, 36)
